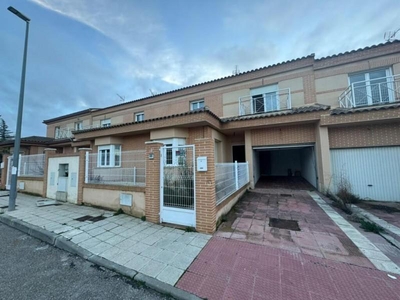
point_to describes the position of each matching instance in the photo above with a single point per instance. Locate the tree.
(5, 133)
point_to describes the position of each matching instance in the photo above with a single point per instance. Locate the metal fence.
(132, 169)
(230, 177)
(31, 165)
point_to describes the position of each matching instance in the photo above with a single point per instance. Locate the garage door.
(374, 173)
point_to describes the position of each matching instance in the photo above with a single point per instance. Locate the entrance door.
(62, 178)
(178, 185)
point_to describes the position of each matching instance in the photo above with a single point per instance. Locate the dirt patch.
(284, 224)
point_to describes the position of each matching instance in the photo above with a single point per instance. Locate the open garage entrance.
(289, 166)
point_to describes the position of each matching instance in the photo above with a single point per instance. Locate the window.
(105, 123)
(109, 156)
(139, 117)
(265, 99)
(57, 132)
(372, 87)
(78, 125)
(196, 104)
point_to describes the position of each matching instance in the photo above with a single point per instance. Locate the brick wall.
(365, 136)
(283, 135)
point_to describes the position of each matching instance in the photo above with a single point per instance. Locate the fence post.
(87, 167)
(247, 172)
(19, 165)
(236, 175)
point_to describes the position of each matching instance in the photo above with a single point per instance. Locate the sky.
(87, 53)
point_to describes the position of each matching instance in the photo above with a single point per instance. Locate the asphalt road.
(31, 269)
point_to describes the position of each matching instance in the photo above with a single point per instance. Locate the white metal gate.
(9, 170)
(374, 173)
(178, 185)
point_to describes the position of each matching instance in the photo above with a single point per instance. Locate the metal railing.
(131, 172)
(31, 165)
(230, 177)
(268, 102)
(371, 92)
(66, 133)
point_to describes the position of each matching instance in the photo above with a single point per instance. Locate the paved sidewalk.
(231, 269)
(372, 252)
(160, 252)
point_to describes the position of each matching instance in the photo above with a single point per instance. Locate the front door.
(178, 185)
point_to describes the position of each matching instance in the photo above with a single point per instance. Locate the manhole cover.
(284, 224)
(90, 218)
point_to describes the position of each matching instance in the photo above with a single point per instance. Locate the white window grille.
(109, 156)
(196, 104)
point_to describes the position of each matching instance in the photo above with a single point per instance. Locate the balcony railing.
(66, 133)
(268, 102)
(371, 92)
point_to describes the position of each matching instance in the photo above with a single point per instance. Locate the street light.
(17, 142)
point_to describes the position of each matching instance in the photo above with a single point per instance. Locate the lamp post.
(17, 142)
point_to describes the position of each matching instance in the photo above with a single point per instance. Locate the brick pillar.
(48, 152)
(82, 170)
(205, 185)
(152, 191)
(4, 171)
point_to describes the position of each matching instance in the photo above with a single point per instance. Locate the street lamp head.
(18, 14)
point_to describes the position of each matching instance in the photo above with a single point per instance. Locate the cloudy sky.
(82, 53)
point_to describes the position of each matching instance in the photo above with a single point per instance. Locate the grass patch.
(371, 227)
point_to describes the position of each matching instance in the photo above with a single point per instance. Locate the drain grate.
(284, 224)
(286, 195)
(90, 218)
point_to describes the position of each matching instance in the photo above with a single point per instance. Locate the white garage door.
(374, 173)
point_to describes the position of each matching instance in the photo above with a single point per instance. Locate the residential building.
(325, 120)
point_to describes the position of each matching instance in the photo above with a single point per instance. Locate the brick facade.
(284, 135)
(372, 135)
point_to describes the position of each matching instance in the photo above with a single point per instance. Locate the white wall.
(308, 167)
(52, 177)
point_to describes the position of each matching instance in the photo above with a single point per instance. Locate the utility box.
(202, 163)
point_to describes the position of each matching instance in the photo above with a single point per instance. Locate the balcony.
(371, 92)
(268, 102)
(66, 133)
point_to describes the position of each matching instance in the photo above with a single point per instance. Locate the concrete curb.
(165, 288)
(66, 245)
(100, 261)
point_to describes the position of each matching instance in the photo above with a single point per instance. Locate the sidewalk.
(231, 269)
(158, 252)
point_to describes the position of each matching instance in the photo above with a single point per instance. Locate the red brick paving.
(319, 235)
(231, 269)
